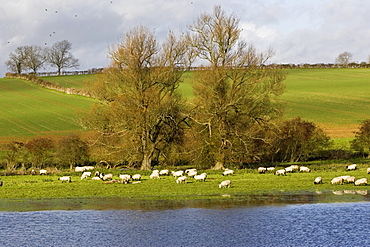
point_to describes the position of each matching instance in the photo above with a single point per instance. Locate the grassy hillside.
(28, 110)
(335, 99)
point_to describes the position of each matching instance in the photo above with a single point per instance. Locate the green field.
(335, 99)
(246, 185)
(28, 110)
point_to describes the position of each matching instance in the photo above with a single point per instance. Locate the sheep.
(95, 178)
(190, 170)
(337, 180)
(368, 170)
(33, 172)
(181, 179)
(155, 174)
(107, 176)
(79, 169)
(201, 177)
(288, 169)
(192, 173)
(225, 184)
(318, 180)
(362, 181)
(294, 167)
(125, 178)
(177, 173)
(164, 172)
(261, 170)
(136, 177)
(87, 168)
(280, 172)
(97, 174)
(304, 169)
(43, 172)
(85, 175)
(270, 169)
(351, 179)
(65, 179)
(228, 172)
(351, 167)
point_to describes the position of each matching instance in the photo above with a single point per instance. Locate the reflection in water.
(319, 224)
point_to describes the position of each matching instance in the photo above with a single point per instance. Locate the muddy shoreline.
(149, 204)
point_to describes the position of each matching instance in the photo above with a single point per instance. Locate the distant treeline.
(79, 72)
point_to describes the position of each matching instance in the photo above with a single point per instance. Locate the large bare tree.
(59, 56)
(344, 58)
(140, 113)
(234, 92)
(17, 60)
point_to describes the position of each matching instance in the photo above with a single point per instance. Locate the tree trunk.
(146, 163)
(219, 166)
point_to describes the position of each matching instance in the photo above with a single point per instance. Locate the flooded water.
(314, 224)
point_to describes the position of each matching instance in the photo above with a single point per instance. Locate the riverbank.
(248, 188)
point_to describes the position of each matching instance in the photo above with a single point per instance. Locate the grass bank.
(244, 183)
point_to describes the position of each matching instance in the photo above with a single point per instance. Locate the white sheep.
(65, 179)
(288, 169)
(155, 174)
(87, 168)
(368, 170)
(177, 173)
(270, 169)
(80, 169)
(190, 170)
(294, 167)
(304, 169)
(337, 180)
(228, 172)
(192, 173)
(362, 181)
(261, 170)
(225, 184)
(201, 177)
(280, 172)
(95, 178)
(107, 176)
(125, 178)
(85, 175)
(136, 177)
(318, 180)
(351, 179)
(164, 172)
(181, 179)
(43, 172)
(351, 167)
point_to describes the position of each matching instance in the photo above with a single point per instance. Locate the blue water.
(332, 224)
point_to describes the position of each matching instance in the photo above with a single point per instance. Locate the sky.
(304, 31)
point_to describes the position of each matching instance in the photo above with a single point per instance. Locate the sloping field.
(70, 81)
(337, 100)
(28, 110)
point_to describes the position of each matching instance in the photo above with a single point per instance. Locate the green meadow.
(335, 99)
(246, 186)
(28, 110)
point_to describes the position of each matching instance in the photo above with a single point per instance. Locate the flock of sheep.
(318, 180)
(181, 176)
(184, 176)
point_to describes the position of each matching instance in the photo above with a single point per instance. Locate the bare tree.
(17, 60)
(344, 59)
(140, 109)
(59, 56)
(35, 58)
(234, 93)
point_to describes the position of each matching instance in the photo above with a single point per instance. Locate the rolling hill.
(335, 99)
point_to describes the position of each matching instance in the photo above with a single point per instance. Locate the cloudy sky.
(304, 31)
